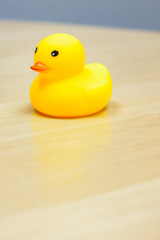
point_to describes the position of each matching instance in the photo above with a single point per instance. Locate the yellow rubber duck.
(65, 86)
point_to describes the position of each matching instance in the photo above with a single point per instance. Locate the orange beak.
(39, 67)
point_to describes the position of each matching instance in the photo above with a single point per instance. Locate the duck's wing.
(99, 77)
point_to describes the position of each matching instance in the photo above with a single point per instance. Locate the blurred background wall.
(141, 14)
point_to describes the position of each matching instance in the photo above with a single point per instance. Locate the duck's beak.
(39, 67)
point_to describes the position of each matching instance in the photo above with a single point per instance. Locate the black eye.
(36, 50)
(54, 53)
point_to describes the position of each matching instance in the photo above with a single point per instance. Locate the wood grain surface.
(92, 178)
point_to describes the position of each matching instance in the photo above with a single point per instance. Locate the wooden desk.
(89, 178)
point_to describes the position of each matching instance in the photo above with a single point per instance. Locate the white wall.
(144, 14)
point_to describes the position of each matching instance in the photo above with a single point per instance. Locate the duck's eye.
(54, 53)
(36, 50)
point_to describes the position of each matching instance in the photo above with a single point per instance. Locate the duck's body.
(79, 91)
(80, 95)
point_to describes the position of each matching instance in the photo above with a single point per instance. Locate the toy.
(65, 86)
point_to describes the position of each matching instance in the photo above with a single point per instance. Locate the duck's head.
(59, 55)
